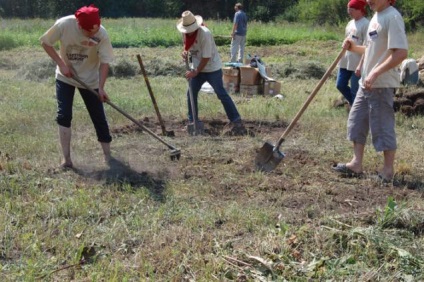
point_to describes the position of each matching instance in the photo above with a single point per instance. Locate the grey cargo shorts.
(373, 111)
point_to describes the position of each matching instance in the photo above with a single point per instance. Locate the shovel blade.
(196, 130)
(268, 158)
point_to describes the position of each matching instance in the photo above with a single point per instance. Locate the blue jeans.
(215, 80)
(342, 84)
(65, 99)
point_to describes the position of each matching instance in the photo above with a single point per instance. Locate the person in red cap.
(349, 70)
(385, 48)
(85, 51)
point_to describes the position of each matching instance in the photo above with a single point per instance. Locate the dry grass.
(209, 216)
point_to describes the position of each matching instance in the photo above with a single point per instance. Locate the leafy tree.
(413, 13)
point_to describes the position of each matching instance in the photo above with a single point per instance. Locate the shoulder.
(204, 30)
(67, 20)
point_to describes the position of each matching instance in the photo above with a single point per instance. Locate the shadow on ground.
(122, 175)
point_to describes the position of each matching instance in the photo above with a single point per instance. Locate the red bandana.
(88, 17)
(189, 40)
(357, 4)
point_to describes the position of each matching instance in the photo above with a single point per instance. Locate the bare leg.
(106, 151)
(65, 143)
(358, 155)
(388, 169)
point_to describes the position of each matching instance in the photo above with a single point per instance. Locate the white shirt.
(82, 53)
(204, 47)
(357, 31)
(386, 31)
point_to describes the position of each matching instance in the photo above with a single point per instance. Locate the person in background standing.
(238, 34)
(349, 66)
(385, 48)
(86, 49)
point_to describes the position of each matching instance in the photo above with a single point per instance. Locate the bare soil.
(318, 192)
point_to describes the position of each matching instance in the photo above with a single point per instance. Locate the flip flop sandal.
(346, 172)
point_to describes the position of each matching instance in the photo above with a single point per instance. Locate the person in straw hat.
(200, 46)
(85, 48)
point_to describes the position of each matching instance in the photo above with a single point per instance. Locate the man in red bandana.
(85, 51)
(348, 71)
(385, 48)
(207, 67)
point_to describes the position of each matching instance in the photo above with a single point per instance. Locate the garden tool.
(146, 79)
(269, 156)
(175, 153)
(196, 127)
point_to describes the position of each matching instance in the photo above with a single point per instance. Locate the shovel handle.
(155, 105)
(308, 101)
(76, 78)
(190, 93)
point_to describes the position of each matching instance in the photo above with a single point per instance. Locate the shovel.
(269, 156)
(196, 127)
(175, 153)
(146, 79)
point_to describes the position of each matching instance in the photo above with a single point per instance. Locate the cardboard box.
(249, 76)
(232, 88)
(272, 87)
(231, 79)
(250, 90)
(229, 71)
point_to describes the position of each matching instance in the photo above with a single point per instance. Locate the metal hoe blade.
(268, 157)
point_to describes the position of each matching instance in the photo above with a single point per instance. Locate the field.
(210, 216)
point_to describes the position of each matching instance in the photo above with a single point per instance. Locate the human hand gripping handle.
(101, 94)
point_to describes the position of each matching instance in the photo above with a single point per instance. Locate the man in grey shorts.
(385, 48)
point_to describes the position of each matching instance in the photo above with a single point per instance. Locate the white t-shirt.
(204, 47)
(386, 31)
(83, 53)
(357, 31)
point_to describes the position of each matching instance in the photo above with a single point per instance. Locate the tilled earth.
(303, 187)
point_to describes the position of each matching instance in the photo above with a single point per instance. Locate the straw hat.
(189, 22)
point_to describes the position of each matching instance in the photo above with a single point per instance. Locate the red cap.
(358, 5)
(88, 17)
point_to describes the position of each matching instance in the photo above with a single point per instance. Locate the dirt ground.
(318, 192)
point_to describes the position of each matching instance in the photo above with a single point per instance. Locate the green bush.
(413, 14)
(7, 42)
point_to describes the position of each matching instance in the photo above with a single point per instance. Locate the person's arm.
(103, 73)
(64, 69)
(235, 21)
(392, 58)
(233, 33)
(351, 46)
(359, 67)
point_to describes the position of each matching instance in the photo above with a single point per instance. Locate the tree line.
(319, 12)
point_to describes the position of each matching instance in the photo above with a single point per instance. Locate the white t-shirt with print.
(204, 47)
(84, 54)
(386, 31)
(357, 31)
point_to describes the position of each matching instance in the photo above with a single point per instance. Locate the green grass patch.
(151, 32)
